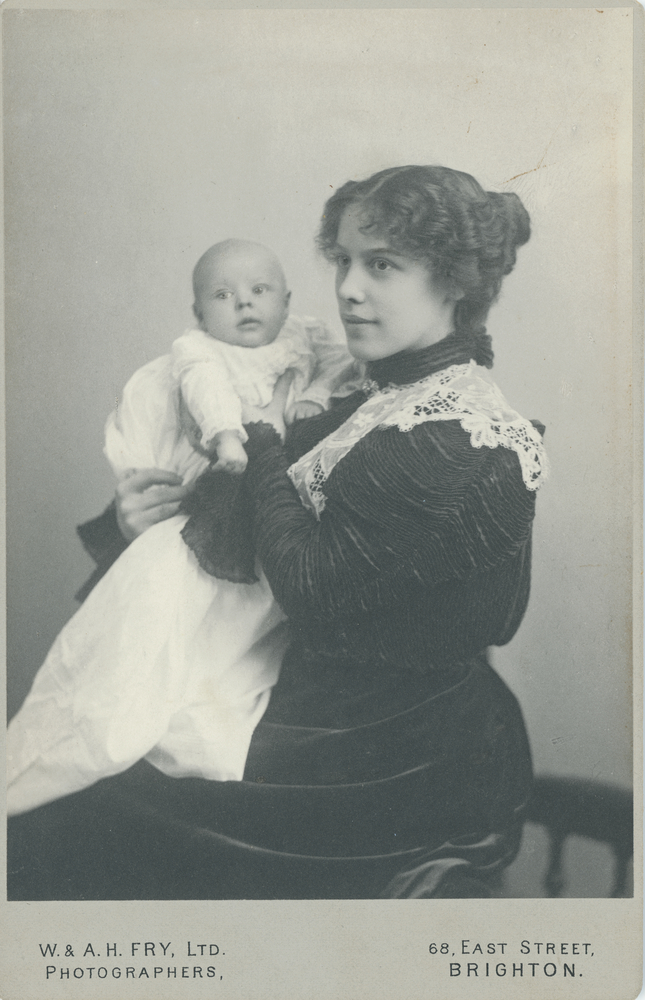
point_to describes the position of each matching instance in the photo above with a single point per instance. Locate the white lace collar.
(462, 392)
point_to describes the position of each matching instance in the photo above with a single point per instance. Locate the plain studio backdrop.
(136, 139)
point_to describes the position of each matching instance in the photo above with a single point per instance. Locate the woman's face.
(388, 302)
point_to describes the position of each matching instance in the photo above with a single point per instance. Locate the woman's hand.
(273, 413)
(145, 498)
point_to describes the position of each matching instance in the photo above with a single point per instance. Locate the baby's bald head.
(244, 252)
(241, 293)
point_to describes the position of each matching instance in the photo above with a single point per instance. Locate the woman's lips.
(357, 320)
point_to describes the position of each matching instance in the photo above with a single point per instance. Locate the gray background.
(135, 139)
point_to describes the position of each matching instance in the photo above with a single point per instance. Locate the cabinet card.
(136, 136)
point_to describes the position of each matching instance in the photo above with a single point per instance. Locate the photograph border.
(349, 948)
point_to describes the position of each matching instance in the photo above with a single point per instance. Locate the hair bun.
(516, 224)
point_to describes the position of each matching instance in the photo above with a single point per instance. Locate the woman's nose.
(349, 287)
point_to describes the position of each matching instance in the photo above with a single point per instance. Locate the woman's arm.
(102, 540)
(422, 504)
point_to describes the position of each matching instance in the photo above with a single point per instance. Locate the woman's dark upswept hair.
(467, 237)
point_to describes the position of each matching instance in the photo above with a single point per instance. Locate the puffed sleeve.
(138, 431)
(336, 370)
(421, 504)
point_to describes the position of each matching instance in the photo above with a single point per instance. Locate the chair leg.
(620, 875)
(554, 880)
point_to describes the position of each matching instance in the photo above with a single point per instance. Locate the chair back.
(573, 806)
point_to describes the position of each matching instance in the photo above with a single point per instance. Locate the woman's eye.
(381, 265)
(341, 260)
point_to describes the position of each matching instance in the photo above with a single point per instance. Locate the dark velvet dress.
(392, 760)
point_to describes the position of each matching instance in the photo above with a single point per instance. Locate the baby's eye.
(223, 295)
(260, 289)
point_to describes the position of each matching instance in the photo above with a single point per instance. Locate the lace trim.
(461, 392)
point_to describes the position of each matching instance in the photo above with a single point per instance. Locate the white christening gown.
(162, 661)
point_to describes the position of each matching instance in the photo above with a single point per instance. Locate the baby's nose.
(243, 300)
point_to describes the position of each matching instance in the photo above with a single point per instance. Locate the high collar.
(410, 366)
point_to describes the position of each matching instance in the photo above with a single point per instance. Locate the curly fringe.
(467, 237)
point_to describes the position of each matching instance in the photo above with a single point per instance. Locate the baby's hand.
(301, 410)
(231, 456)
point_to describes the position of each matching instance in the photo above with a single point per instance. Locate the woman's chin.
(363, 350)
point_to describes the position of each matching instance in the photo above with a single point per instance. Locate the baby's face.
(242, 298)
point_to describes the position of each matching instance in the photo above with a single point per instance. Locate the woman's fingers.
(147, 497)
(155, 496)
(166, 510)
(142, 479)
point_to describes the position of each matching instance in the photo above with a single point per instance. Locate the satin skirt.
(427, 802)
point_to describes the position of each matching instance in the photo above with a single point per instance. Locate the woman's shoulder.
(457, 422)
(429, 478)
(445, 438)
(436, 453)
(431, 471)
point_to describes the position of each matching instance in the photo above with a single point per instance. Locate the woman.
(395, 532)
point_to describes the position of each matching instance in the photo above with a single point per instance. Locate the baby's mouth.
(249, 321)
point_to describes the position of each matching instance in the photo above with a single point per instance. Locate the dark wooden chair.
(572, 806)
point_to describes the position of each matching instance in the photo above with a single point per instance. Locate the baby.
(183, 411)
(241, 299)
(163, 660)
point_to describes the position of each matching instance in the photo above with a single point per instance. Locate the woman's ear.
(453, 291)
(446, 285)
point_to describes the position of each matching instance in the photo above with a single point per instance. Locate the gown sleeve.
(335, 367)
(206, 389)
(421, 504)
(141, 431)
